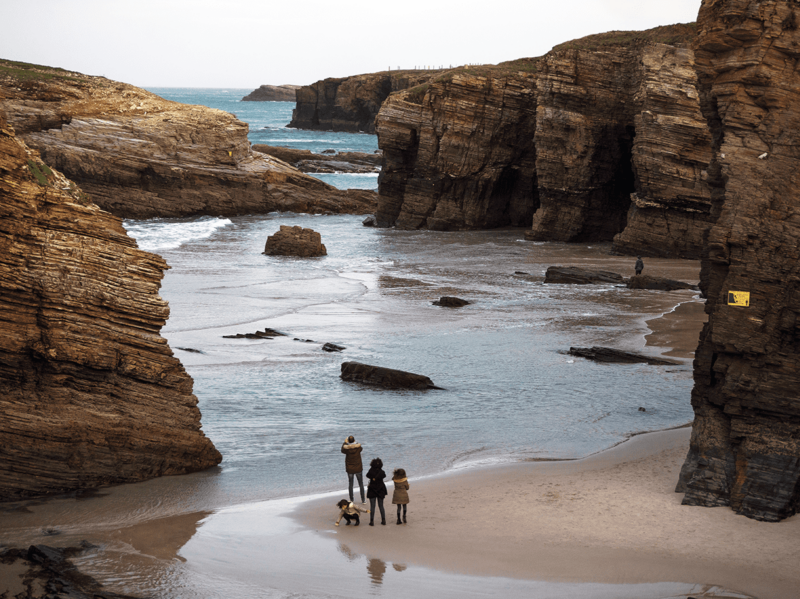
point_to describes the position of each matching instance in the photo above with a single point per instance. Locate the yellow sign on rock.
(739, 298)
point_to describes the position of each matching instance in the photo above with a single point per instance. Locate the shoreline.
(612, 517)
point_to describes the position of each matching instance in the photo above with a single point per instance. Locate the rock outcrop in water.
(272, 93)
(90, 393)
(140, 156)
(295, 241)
(602, 137)
(307, 162)
(387, 378)
(745, 446)
(350, 103)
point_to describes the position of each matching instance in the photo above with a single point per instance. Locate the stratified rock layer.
(350, 103)
(295, 241)
(745, 446)
(273, 93)
(140, 156)
(90, 393)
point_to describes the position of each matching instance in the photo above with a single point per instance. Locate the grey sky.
(244, 43)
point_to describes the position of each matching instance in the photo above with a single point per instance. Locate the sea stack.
(295, 241)
(90, 392)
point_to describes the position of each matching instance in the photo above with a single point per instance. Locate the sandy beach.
(609, 518)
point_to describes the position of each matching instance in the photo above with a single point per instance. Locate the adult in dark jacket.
(376, 489)
(352, 463)
(639, 267)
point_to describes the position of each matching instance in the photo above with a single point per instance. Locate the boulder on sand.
(450, 302)
(658, 283)
(295, 241)
(578, 276)
(384, 377)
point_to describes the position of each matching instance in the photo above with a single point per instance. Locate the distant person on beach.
(376, 489)
(349, 511)
(400, 495)
(639, 265)
(352, 463)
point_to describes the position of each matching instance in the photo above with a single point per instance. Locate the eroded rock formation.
(90, 393)
(388, 378)
(307, 162)
(350, 103)
(745, 446)
(295, 241)
(273, 93)
(140, 156)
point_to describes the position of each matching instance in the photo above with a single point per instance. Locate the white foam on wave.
(168, 234)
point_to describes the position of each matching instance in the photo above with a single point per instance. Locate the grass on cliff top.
(681, 33)
(23, 71)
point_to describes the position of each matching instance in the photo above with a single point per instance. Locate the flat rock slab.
(331, 347)
(578, 276)
(387, 378)
(658, 283)
(265, 334)
(451, 302)
(295, 241)
(617, 356)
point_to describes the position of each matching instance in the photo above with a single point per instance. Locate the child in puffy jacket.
(400, 495)
(349, 511)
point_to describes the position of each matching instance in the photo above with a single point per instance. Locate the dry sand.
(610, 518)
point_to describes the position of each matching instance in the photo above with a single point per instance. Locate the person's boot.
(383, 521)
(398, 520)
(404, 518)
(371, 523)
(356, 524)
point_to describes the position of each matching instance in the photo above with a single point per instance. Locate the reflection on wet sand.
(376, 569)
(162, 538)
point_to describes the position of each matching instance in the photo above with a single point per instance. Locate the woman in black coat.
(376, 489)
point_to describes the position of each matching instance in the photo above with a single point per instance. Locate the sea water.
(277, 408)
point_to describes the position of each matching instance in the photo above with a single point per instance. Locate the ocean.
(277, 409)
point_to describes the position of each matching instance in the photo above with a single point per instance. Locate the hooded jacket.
(351, 509)
(400, 495)
(352, 462)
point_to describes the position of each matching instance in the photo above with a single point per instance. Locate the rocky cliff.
(350, 103)
(139, 156)
(272, 93)
(90, 393)
(745, 447)
(602, 137)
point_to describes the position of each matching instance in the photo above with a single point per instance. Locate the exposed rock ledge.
(307, 162)
(139, 156)
(90, 393)
(272, 93)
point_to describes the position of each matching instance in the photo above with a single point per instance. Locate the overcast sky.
(244, 43)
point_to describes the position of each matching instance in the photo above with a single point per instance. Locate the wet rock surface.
(140, 156)
(572, 275)
(332, 347)
(617, 356)
(272, 93)
(745, 445)
(657, 283)
(451, 302)
(350, 103)
(295, 241)
(90, 392)
(265, 334)
(387, 378)
(307, 162)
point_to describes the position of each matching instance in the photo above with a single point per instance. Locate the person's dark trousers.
(404, 506)
(372, 509)
(360, 478)
(353, 518)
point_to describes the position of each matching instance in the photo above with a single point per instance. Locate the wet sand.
(610, 518)
(678, 330)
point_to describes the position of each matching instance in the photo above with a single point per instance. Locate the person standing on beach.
(400, 495)
(639, 265)
(376, 489)
(352, 463)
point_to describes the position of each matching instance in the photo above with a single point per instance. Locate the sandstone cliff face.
(584, 144)
(139, 156)
(272, 93)
(350, 103)
(745, 447)
(90, 393)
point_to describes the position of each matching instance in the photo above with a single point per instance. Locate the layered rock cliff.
(139, 156)
(272, 93)
(350, 103)
(745, 446)
(90, 393)
(602, 136)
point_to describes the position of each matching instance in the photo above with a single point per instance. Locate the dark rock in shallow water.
(519, 272)
(384, 377)
(295, 241)
(451, 302)
(658, 284)
(616, 356)
(370, 221)
(190, 350)
(265, 334)
(578, 276)
(332, 347)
